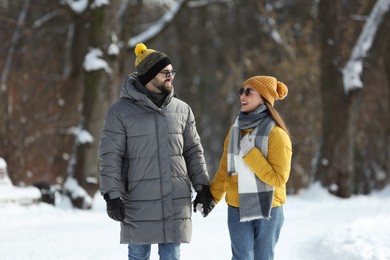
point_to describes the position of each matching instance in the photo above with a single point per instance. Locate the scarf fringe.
(248, 219)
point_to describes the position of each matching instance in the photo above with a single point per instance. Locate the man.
(150, 155)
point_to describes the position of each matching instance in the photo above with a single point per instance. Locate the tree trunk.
(380, 55)
(340, 160)
(4, 93)
(99, 90)
(336, 160)
(387, 68)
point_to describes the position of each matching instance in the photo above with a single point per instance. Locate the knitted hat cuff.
(152, 71)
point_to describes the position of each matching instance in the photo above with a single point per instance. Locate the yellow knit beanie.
(149, 62)
(268, 87)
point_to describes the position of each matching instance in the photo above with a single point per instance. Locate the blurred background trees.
(52, 104)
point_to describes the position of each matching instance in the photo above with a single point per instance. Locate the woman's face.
(250, 99)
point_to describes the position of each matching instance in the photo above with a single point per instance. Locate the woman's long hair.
(276, 117)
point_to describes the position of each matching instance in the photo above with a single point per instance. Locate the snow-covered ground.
(317, 226)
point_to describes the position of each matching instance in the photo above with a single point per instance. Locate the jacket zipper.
(159, 170)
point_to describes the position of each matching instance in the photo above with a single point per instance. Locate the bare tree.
(100, 83)
(336, 164)
(4, 93)
(107, 40)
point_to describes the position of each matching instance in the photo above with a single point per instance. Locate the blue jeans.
(166, 251)
(254, 240)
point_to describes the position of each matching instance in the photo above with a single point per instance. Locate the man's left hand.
(204, 201)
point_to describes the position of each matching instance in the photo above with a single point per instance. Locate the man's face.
(161, 83)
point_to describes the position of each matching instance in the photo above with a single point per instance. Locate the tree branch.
(354, 67)
(156, 27)
(15, 38)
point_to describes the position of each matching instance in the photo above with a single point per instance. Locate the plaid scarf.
(255, 196)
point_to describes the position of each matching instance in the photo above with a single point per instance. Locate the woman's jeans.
(166, 251)
(254, 240)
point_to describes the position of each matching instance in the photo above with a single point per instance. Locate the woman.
(254, 169)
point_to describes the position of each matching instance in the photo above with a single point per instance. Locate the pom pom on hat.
(149, 62)
(141, 52)
(282, 90)
(140, 47)
(268, 87)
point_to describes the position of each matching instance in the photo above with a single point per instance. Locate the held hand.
(208, 208)
(199, 207)
(247, 143)
(115, 209)
(204, 201)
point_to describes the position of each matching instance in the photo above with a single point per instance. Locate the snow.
(3, 163)
(113, 49)
(10, 193)
(23, 195)
(92, 61)
(82, 135)
(78, 6)
(317, 226)
(71, 185)
(99, 3)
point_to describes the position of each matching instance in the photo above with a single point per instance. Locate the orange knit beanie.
(268, 87)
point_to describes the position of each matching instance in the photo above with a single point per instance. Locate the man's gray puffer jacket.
(150, 157)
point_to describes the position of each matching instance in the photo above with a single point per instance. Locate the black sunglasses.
(246, 91)
(168, 73)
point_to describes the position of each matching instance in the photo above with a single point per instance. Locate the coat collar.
(129, 90)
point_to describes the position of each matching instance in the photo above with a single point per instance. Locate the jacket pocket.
(124, 178)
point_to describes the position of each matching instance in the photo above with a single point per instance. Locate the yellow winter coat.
(274, 171)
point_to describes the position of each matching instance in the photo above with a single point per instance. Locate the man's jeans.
(166, 251)
(254, 240)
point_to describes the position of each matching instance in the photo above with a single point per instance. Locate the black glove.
(206, 199)
(115, 209)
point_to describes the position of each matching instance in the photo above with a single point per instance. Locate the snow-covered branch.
(92, 61)
(75, 191)
(79, 6)
(354, 67)
(156, 27)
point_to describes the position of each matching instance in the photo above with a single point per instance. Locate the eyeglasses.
(246, 91)
(168, 73)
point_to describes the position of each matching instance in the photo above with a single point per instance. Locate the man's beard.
(164, 89)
